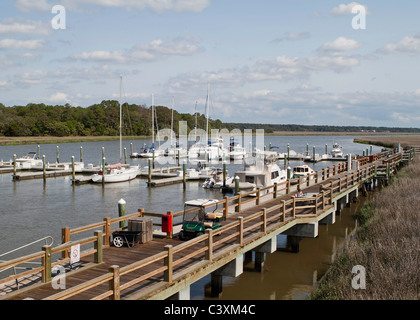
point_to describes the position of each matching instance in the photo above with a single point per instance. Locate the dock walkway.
(165, 267)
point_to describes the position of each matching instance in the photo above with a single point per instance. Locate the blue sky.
(269, 61)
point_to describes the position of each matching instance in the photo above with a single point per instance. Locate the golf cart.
(198, 217)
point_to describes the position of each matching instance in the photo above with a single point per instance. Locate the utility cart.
(130, 238)
(199, 215)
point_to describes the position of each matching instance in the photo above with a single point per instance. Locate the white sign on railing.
(75, 254)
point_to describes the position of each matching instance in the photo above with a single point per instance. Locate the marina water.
(30, 210)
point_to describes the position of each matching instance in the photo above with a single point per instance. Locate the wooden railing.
(235, 234)
(170, 264)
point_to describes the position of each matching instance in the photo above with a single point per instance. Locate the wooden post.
(236, 185)
(46, 274)
(38, 154)
(241, 231)
(14, 166)
(43, 168)
(238, 207)
(65, 237)
(226, 207)
(264, 221)
(107, 231)
(58, 154)
(209, 244)
(73, 170)
(224, 173)
(125, 155)
(168, 262)
(103, 170)
(122, 212)
(153, 158)
(81, 154)
(114, 283)
(284, 210)
(323, 199)
(184, 174)
(257, 201)
(98, 246)
(294, 208)
(150, 174)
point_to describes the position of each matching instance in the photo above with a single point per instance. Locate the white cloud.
(155, 50)
(153, 5)
(408, 44)
(59, 97)
(341, 44)
(344, 9)
(292, 36)
(33, 5)
(21, 44)
(25, 27)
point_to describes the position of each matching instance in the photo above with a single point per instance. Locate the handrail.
(322, 200)
(29, 244)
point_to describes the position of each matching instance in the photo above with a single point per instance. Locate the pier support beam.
(330, 219)
(183, 294)
(233, 268)
(299, 231)
(260, 252)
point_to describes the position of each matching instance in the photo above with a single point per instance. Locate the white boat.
(260, 175)
(148, 152)
(337, 151)
(117, 173)
(29, 161)
(216, 181)
(236, 151)
(303, 171)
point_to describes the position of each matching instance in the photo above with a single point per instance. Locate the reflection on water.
(30, 210)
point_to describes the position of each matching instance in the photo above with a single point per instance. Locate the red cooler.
(166, 223)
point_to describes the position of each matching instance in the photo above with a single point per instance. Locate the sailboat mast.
(207, 110)
(120, 119)
(172, 122)
(153, 118)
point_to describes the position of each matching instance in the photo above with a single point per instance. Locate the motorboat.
(303, 171)
(216, 180)
(337, 151)
(260, 174)
(116, 173)
(29, 161)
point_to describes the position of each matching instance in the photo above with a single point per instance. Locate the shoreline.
(373, 138)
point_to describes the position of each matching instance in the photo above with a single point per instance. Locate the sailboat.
(212, 150)
(148, 152)
(175, 149)
(117, 172)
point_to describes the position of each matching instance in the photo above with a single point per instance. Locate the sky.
(266, 61)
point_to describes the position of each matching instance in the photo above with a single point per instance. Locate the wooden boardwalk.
(164, 266)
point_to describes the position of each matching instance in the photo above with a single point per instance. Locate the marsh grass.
(387, 245)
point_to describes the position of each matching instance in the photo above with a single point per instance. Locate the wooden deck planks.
(126, 256)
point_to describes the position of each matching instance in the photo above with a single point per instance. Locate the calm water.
(30, 210)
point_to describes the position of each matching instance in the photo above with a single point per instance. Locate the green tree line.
(97, 120)
(103, 120)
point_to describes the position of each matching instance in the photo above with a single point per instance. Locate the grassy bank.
(391, 141)
(387, 244)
